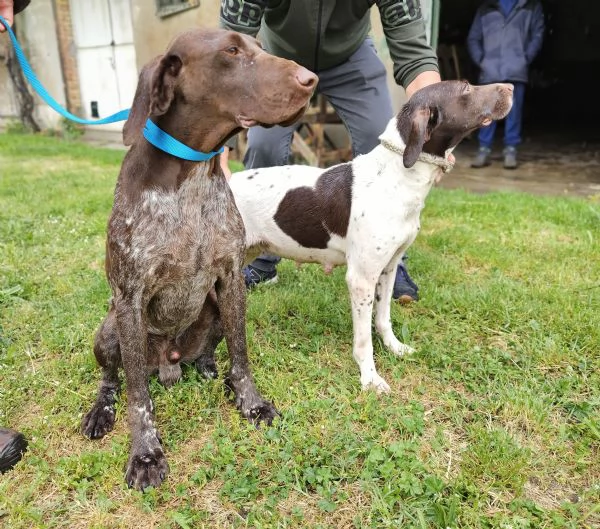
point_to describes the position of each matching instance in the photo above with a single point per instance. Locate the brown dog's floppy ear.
(419, 134)
(164, 82)
(154, 94)
(140, 109)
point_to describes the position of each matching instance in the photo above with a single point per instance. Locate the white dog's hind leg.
(362, 290)
(383, 320)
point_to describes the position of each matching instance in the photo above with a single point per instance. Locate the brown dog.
(175, 234)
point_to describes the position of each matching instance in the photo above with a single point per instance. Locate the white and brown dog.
(365, 213)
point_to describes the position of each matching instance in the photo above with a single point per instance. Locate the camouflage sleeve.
(242, 16)
(19, 5)
(404, 30)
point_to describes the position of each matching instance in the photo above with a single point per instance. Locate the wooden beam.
(302, 148)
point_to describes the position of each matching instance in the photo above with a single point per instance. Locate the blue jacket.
(503, 47)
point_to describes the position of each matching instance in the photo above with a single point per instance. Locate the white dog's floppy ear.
(419, 134)
(154, 93)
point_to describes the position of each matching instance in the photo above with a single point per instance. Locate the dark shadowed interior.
(563, 86)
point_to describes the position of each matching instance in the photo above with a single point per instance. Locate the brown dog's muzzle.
(307, 82)
(306, 79)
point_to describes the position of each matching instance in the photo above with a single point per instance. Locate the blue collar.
(157, 137)
(165, 142)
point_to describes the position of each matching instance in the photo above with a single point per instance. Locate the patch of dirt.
(548, 165)
(548, 495)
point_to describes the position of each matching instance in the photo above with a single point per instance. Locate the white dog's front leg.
(383, 320)
(361, 296)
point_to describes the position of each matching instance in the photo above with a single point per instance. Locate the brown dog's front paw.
(264, 412)
(146, 470)
(98, 422)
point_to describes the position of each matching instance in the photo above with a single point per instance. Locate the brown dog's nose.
(306, 77)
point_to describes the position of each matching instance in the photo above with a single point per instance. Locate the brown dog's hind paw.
(98, 422)
(263, 413)
(207, 367)
(146, 470)
(250, 403)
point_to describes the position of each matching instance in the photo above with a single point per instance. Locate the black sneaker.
(405, 289)
(12, 446)
(254, 276)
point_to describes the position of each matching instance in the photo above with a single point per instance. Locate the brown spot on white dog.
(310, 215)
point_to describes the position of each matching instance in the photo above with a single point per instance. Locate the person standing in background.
(505, 37)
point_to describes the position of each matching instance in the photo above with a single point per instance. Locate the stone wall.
(152, 34)
(68, 56)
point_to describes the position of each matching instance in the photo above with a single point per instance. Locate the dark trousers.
(512, 122)
(357, 89)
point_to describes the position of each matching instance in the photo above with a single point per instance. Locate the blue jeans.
(512, 122)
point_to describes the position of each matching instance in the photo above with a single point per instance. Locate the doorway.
(103, 34)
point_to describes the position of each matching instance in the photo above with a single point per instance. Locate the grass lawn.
(493, 422)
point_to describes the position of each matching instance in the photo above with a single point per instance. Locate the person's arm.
(241, 16)
(9, 8)
(475, 39)
(230, 144)
(536, 34)
(406, 38)
(224, 162)
(421, 80)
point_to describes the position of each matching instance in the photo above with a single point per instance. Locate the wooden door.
(103, 35)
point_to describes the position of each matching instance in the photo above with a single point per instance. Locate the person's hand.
(422, 80)
(226, 172)
(223, 160)
(7, 12)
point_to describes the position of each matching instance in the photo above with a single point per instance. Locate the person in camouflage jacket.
(332, 39)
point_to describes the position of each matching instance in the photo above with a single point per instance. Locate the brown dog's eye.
(433, 117)
(232, 50)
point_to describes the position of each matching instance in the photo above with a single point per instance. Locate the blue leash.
(155, 135)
